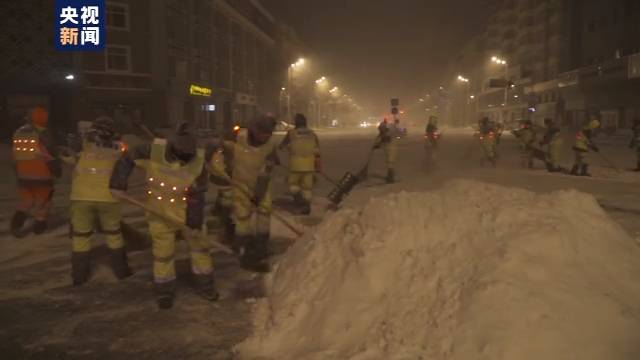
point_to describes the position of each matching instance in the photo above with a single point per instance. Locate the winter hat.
(39, 116)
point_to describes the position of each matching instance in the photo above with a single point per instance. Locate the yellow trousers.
(163, 235)
(301, 182)
(391, 153)
(86, 214)
(249, 219)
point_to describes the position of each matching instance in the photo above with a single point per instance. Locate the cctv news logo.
(80, 25)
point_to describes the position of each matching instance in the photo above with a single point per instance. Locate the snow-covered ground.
(42, 316)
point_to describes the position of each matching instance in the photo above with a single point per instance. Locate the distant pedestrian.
(526, 135)
(583, 144)
(553, 140)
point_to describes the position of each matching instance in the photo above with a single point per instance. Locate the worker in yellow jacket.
(92, 202)
(254, 157)
(581, 147)
(304, 161)
(177, 181)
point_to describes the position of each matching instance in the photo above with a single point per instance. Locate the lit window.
(118, 58)
(117, 16)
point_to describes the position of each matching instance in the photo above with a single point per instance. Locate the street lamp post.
(321, 84)
(466, 97)
(290, 74)
(503, 62)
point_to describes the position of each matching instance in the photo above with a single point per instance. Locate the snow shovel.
(364, 172)
(349, 181)
(187, 230)
(240, 187)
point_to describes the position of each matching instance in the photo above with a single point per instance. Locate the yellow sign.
(199, 90)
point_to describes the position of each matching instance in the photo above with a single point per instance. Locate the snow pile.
(472, 271)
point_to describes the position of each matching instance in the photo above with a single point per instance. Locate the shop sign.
(199, 90)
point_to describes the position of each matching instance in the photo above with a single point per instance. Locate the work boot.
(390, 176)
(119, 263)
(584, 171)
(17, 221)
(255, 256)
(80, 267)
(574, 170)
(39, 227)
(205, 287)
(165, 293)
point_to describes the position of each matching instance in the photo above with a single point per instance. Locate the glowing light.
(70, 77)
(151, 179)
(175, 188)
(172, 200)
(162, 184)
(159, 197)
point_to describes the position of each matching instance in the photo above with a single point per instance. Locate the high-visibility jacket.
(583, 140)
(303, 149)
(93, 171)
(526, 136)
(30, 154)
(249, 162)
(168, 183)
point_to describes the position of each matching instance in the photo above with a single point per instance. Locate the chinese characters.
(80, 25)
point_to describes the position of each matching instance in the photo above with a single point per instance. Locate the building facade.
(213, 63)
(566, 59)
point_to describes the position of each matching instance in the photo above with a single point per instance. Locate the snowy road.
(43, 317)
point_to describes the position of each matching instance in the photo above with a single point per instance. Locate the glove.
(318, 164)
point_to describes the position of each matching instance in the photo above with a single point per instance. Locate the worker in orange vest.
(36, 167)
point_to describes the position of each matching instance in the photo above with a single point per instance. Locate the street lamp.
(290, 70)
(321, 87)
(69, 77)
(504, 63)
(465, 81)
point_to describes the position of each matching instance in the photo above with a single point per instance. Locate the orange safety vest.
(30, 155)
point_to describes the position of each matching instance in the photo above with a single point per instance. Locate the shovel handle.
(168, 218)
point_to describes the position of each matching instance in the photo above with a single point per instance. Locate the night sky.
(377, 49)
